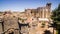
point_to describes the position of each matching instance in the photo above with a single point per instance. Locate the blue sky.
(20, 5)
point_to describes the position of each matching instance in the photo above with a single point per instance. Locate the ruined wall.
(10, 23)
(1, 24)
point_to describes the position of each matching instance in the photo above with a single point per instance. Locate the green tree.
(56, 17)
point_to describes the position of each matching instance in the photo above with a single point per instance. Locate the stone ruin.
(9, 23)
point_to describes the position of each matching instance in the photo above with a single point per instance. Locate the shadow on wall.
(11, 33)
(20, 25)
(47, 32)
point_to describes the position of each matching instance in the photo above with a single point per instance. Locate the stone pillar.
(43, 12)
(48, 9)
(16, 31)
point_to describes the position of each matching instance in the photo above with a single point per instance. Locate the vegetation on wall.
(43, 24)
